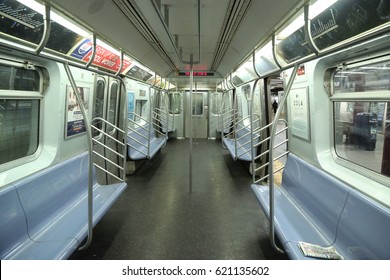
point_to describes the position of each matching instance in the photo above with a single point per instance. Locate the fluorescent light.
(319, 6)
(107, 47)
(71, 26)
(33, 5)
(55, 17)
(265, 51)
(314, 10)
(292, 27)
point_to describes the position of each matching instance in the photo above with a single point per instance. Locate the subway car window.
(197, 105)
(19, 118)
(99, 105)
(19, 125)
(372, 77)
(112, 113)
(216, 101)
(175, 103)
(12, 78)
(361, 127)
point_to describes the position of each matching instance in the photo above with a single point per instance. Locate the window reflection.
(98, 106)
(216, 101)
(197, 104)
(175, 103)
(362, 127)
(112, 113)
(18, 128)
(360, 133)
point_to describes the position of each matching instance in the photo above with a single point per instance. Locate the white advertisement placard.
(300, 124)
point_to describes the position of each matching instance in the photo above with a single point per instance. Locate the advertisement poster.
(74, 119)
(300, 112)
(103, 57)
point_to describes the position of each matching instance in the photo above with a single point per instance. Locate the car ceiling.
(171, 35)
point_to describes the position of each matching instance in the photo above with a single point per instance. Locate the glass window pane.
(12, 78)
(197, 104)
(361, 133)
(175, 103)
(99, 105)
(216, 102)
(113, 104)
(5, 77)
(373, 77)
(19, 125)
(27, 80)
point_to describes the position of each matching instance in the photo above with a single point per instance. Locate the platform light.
(40, 8)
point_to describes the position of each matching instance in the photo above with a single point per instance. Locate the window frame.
(363, 96)
(112, 129)
(103, 103)
(21, 95)
(172, 95)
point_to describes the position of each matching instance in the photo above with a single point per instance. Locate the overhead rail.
(314, 35)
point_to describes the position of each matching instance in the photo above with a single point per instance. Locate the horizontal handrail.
(139, 117)
(106, 147)
(108, 172)
(285, 141)
(107, 160)
(138, 133)
(120, 134)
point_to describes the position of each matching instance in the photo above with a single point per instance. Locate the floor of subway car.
(157, 217)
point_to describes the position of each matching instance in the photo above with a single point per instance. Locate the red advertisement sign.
(103, 58)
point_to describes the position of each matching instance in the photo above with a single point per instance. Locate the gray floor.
(157, 218)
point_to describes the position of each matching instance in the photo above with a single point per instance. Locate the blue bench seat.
(244, 145)
(45, 216)
(314, 207)
(138, 143)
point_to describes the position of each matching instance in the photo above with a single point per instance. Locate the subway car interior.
(194, 129)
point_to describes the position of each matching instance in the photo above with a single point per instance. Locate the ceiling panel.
(229, 29)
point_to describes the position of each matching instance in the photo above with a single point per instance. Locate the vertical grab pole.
(235, 116)
(271, 160)
(190, 158)
(254, 154)
(90, 152)
(252, 105)
(46, 30)
(151, 107)
(125, 124)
